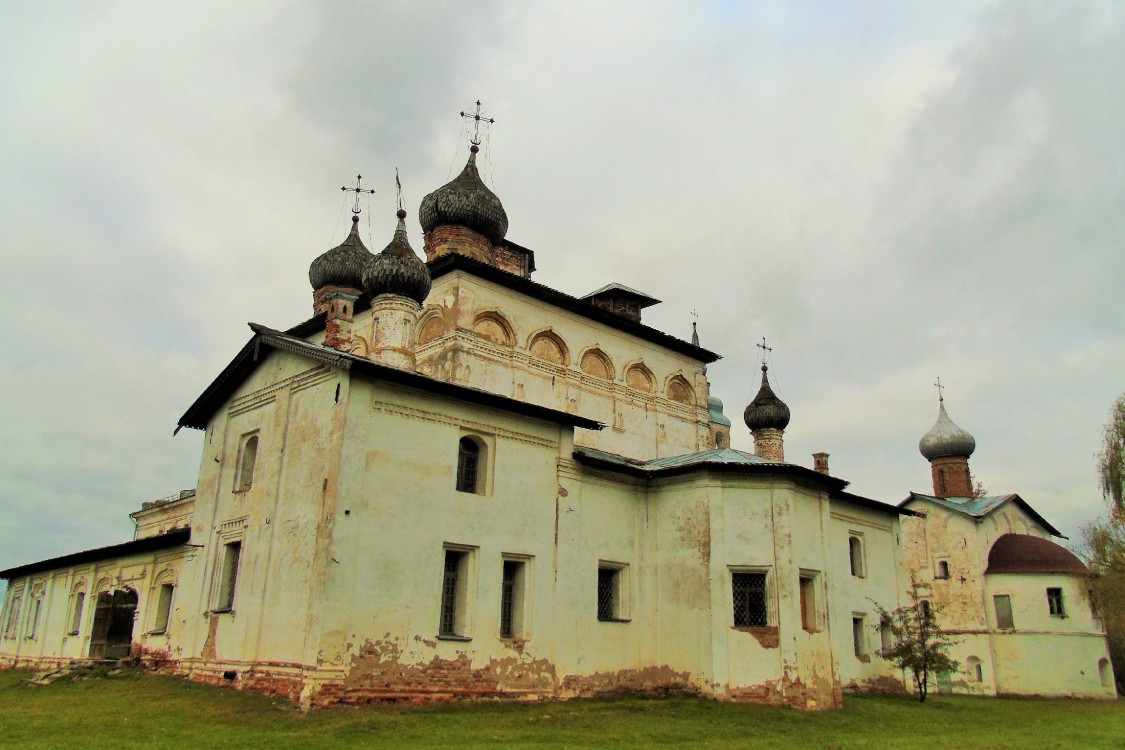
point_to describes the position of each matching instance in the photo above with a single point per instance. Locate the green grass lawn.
(140, 710)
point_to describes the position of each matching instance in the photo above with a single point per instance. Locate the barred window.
(512, 596)
(449, 593)
(612, 592)
(751, 609)
(468, 464)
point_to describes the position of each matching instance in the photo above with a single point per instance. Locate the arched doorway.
(112, 636)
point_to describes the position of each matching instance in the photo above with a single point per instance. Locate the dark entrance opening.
(112, 636)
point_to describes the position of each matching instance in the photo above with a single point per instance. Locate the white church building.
(455, 482)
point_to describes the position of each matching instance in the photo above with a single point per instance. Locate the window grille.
(1055, 602)
(508, 599)
(751, 608)
(448, 624)
(468, 460)
(607, 593)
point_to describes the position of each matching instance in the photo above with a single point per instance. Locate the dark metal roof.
(979, 507)
(247, 360)
(1023, 553)
(173, 538)
(620, 291)
(867, 502)
(344, 264)
(453, 262)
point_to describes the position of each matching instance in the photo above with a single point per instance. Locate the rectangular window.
(809, 618)
(228, 576)
(13, 614)
(33, 617)
(163, 608)
(751, 609)
(1055, 602)
(886, 635)
(456, 571)
(611, 592)
(859, 636)
(76, 612)
(1003, 604)
(512, 597)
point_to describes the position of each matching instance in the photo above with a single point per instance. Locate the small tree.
(918, 644)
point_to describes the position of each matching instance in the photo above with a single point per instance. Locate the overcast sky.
(888, 192)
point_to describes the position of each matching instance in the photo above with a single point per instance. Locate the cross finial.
(398, 188)
(940, 388)
(477, 119)
(357, 190)
(765, 350)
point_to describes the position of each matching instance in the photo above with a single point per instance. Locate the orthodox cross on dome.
(357, 190)
(398, 188)
(765, 350)
(940, 388)
(694, 331)
(477, 119)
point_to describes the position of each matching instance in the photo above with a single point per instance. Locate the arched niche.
(494, 327)
(679, 390)
(430, 327)
(597, 363)
(640, 377)
(547, 345)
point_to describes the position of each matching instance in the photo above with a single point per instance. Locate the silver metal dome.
(398, 270)
(344, 264)
(946, 439)
(465, 202)
(766, 410)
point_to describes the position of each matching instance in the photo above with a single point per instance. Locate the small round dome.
(1023, 553)
(398, 270)
(715, 411)
(344, 264)
(465, 202)
(946, 439)
(766, 410)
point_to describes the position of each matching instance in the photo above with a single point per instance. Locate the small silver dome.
(344, 264)
(946, 439)
(398, 270)
(766, 410)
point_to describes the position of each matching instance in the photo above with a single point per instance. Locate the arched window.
(855, 552)
(548, 346)
(640, 377)
(942, 570)
(1105, 673)
(249, 457)
(973, 667)
(927, 610)
(680, 390)
(494, 327)
(596, 363)
(469, 466)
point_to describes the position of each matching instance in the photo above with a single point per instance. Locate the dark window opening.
(511, 599)
(750, 605)
(228, 579)
(942, 570)
(808, 603)
(855, 553)
(468, 464)
(608, 588)
(1055, 602)
(163, 608)
(859, 637)
(452, 596)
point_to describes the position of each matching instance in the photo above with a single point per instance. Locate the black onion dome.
(465, 202)
(766, 410)
(344, 264)
(398, 270)
(946, 439)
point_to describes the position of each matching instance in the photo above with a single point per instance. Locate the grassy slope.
(142, 710)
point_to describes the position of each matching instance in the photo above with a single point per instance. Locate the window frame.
(243, 483)
(485, 446)
(768, 617)
(857, 554)
(227, 574)
(808, 588)
(514, 597)
(164, 607)
(76, 610)
(455, 610)
(996, 611)
(860, 647)
(1056, 604)
(613, 578)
